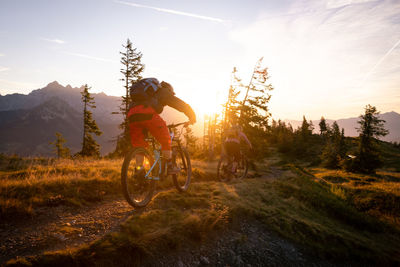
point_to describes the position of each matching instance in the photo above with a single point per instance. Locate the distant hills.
(29, 122)
(392, 124)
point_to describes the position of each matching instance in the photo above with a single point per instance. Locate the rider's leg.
(137, 140)
(158, 128)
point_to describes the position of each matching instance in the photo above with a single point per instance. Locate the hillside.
(283, 214)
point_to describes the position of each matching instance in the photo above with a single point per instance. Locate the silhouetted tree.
(131, 71)
(59, 149)
(368, 157)
(89, 145)
(334, 150)
(323, 129)
(190, 139)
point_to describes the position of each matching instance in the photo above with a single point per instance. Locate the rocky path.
(61, 227)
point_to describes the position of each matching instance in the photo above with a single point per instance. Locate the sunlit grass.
(295, 206)
(57, 182)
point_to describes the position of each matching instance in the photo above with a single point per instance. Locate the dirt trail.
(61, 227)
(55, 228)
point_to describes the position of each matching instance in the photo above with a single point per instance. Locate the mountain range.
(350, 125)
(28, 123)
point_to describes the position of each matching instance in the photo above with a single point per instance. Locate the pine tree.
(371, 127)
(334, 150)
(306, 129)
(190, 139)
(59, 149)
(322, 127)
(131, 71)
(252, 113)
(89, 145)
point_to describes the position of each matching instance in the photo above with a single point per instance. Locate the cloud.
(57, 41)
(90, 57)
(319, 56)
(3, 69)
(16, 87)
(2, 55)
(176, 12)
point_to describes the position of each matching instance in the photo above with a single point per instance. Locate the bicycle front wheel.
(137, 184)
(182, 160)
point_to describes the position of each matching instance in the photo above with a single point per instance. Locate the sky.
(325, 57)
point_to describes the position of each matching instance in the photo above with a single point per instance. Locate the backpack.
(143, 92)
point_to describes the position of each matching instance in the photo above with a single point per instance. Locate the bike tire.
(222, 174)
(243, 169)
(183, 178)
(137, 193)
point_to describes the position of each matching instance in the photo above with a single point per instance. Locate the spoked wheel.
(242, 169)
(182, 160)
(137, 186)
(224, 167)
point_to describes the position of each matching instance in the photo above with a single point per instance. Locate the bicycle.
(138, 180)
(224, 167)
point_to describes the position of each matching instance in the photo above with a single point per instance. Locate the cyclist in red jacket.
(149, 97)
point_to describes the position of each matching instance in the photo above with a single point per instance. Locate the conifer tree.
(371, 127)
(59, 149)
(89, 145)
(334, 150)
(190, 139)
(322, 127)
(131, 71)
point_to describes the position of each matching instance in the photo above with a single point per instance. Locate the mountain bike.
(138, 180)
(224, 167)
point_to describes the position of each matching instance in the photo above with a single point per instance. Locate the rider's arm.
(244, 137)
(181, 106)
(167, 97)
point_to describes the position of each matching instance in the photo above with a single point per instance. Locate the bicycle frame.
(157, 156)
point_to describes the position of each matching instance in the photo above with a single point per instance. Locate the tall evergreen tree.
(322, 127)
(334, 150)
(190, 139)
(59, 149)
(371, 127)
(131, 71)
(89, 145)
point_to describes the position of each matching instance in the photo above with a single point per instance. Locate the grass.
(375, 194)
(56, 182)
(301, 206)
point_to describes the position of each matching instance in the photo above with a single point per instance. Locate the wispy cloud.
(171, 11)
(2, 55)
(3, 68)
(318, 55)
(57, 41)
(90, 57)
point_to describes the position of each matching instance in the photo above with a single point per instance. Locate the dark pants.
(233, 149)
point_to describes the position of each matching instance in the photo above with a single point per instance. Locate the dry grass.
(57, 182)
(377, 194)
(312, 214)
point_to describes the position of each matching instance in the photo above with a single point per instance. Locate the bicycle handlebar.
(176, 125)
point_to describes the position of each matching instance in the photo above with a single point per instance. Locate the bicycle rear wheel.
(224, 173)
(242, 169)
(136, 186)
(182, 160)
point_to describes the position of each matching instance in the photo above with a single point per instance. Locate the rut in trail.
(61, 227)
